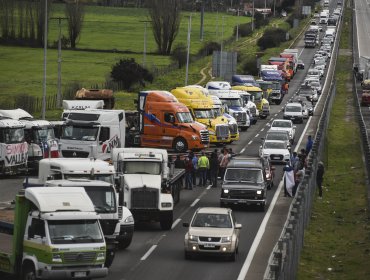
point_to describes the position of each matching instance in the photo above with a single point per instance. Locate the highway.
(158, 254)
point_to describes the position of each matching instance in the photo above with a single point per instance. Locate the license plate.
(276, 157)
(242, 201)
(80, 274)
(209, 245)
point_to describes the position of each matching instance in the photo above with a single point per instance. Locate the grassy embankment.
(337, 241)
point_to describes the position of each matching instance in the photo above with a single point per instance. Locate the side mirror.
(172, 119)
(185, 225)
(238, 226)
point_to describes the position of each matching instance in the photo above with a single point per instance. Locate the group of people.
(205, 168)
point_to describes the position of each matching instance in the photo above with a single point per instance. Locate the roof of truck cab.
(52, 199)
(77, 165)
(159, 96)
(6, 122)
(77, 183)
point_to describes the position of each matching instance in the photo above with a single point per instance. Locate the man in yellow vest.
(203, 166)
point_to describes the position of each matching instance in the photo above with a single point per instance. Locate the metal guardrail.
(284, 259)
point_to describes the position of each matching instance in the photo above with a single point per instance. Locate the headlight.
(100, 256)
(211, 132)
(166, 204)
(226, 239)
(129, 220)
(194, 137)
(287, 155)
(268, 175)
(226, 191)
(259, 192)
(57, 258)
(193, 237)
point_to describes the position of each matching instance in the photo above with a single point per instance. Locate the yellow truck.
(262, 104)
(202, 110)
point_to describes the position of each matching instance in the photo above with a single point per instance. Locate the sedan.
(285, 125)
(276, 151)
(316, 86)
(300, 64)
(212, 231)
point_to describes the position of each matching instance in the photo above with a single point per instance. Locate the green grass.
(337, 241)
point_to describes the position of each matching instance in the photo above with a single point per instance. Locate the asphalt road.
(158, 254)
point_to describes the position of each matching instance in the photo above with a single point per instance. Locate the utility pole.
(188, 52)
(202, 21)
(43, 110)
(144, 49)
(253, 16)
(222, 46)
(237, 28)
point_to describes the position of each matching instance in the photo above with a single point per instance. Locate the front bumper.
(260, 201)
(70, 273)
(126, 232)
(211, 248)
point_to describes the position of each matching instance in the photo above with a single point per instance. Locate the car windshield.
(315, 84)
(281, 124)
(274, 145)
(84, 133)
(212, 220)
(203, 114)
(277, 136)
(141, 167)
(184, 117)
(243, 175)
(74, 231)
(232, 102)
(293, 109)
(11, 135)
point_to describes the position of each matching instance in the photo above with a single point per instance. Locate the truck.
(148, 184)
(13, 147)
(362, 68)
(92, 133)
(52, 233)
(365, 94)
(231, 99)
(262, 104)
(99, 175)
(293, 61)
(272, 75)
(97, 94)
(201, 110)
(310, 39)
(161, 121)
(82, 104)
(242, 80)
(220, 110)
(283, 65)
(39, 135)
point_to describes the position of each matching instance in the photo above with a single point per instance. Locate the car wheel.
(263, 207)
(233, 255)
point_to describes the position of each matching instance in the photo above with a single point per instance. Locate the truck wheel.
(28, 272)
(124, 243)
(180, 145)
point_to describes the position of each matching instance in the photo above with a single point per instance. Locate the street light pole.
(202, 21)
(237, 27)
(188, 52)
(222, 46)
(45, 60)
(253, 16)
(145, 32)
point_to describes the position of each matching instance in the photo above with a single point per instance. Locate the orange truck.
(283, 65)
(161, 121)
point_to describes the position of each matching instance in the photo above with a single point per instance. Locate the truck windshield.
(257, 95)
(203, 114)
(217, 112)
(103, 199)
(232, 102)
(184, 117)
(276, 86)
(142, 167)
(74, 231)
(84, 133)
(11, 135)
(244, 175)
(44, 134)
(109, 178)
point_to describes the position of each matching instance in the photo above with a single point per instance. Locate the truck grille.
(252, 110)
(144, 198)
(108, 226)
(204, 136)
(222, 131)
(73, 257)
(75, 154)
(242, 194)
(233, 128)
(240, 117)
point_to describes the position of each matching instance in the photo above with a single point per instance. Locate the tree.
(128, 72)
(165, 21)
(179, 54)
(75, 13)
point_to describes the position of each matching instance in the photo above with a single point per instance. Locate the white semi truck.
(13, 147)
(147, 184)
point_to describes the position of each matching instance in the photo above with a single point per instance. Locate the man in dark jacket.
(213, 164)
(320, 177)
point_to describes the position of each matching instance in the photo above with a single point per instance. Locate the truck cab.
(231, 99)
(56, 235)
(201, 110)
(39, 135)
(144, 180)
(92, 133)
(13, 147)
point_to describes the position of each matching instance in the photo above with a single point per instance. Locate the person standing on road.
(298, 178)
(213, 164)
(203, 166)
(320, 177)
(309, 144)
(179, 163)
(224, 161)
(289, 182)
(188, 174)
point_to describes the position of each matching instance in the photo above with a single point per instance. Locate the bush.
(260, 20)
(209, 47)
(179, 54)
(245, 29)
(271, 38)
(250, 67)
(128, 72)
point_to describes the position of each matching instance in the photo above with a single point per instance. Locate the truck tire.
(28, 272)
(124, 243)
(180, 145)
(166, 220)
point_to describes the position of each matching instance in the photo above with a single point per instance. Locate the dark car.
(300, 64)
(245, 182)
(305, 91)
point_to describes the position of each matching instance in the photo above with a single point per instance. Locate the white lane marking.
(257, 135)
(257, 239)
(271, 119)
(262, 129)
(175, 223)
(275, 115)
(209, 186)
(242, 150)
(250, 142)
(195, 202)
(147, 254)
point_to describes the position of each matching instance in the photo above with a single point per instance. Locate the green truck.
(55, 234)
